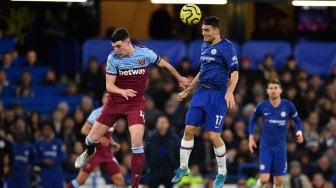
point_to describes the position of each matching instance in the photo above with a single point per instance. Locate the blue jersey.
(131, 73)
(23, 154)
(49, 150)
(274, 123)
(217, 63)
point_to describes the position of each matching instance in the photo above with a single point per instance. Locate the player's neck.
(131, 51)
(275, 102)
(217, 40)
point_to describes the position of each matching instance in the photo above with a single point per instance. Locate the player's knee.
(278, 181)
(118, 180)
(264, 180)
(189, 133)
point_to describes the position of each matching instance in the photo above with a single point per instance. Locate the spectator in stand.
(319, 181)
(323, 167)
(71, 89)
(63, 107)
(92, 80)
(161, 152)
(295, 178)
(23, 89)
(34, 120)
(267, 66)
(68, 134)
(31, 58)
(7, 60)
(291, 66)
(3, 80)
(57, 120)
(151, 113)
(86, 106)
(185, 68)
(50, 78)
(6, 157)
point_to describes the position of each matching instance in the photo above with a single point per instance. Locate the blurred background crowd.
(34, 91)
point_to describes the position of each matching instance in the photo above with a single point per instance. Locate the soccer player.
(216, 82)
(104, 154)
(274, 113)
(126, 77)
(48, 156)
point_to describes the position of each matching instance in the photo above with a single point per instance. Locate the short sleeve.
(153, 57)
(233, 59)
(92, 118)
(111, 67)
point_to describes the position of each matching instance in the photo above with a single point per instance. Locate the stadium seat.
(194, 50)
(6, 45)
(316, 57)
(43, 91)
(256, 51)
(37, 73)
(98, 48)
(175, 50)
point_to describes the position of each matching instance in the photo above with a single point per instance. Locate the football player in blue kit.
(274, 113)
(215, 84)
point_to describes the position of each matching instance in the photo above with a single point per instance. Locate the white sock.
(221, 159)
(274, 186)
(259, 184)
(185, 150)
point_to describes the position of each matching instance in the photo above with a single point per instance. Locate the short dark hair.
(275, 81)
(213, 21)
(47, 124)
(120, 34)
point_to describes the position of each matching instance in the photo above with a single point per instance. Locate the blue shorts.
(273, 161)
(207, 109)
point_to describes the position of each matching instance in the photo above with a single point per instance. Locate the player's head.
(121, 42)
(211, 29)
(274, 89)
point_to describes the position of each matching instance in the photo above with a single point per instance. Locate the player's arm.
(298, 124)
(232, 85)
(183, 94)
(252, 123)
(112, 88)
(183, 81)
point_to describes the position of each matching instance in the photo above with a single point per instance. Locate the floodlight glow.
(313, 3)
(216, 2)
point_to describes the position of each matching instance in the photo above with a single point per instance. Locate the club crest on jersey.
(141, 61)
(283, 114)
(213, 51)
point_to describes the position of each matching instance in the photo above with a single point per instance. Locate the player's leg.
(98, 130)
(113, 170)
(136, 128)
(194, 117)
(80, 180)
(215, 111)
(280, 167)
(265, 164)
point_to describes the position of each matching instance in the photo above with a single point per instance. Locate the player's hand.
(252, 144)
(184, 82)
(182, 95)
(127, 93)
(230, 102)
(48, 162)
(104, 141)
(299, 137)
(115, 146)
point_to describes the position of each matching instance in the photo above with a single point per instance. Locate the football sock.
(90, 145)
(185, 150)
(137, 163)
(221, 159)
(259, 185)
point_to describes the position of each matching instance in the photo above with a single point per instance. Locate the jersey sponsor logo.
(277, 121)
(283, 114)
(21, 158)
(213, 51)
(142, 61)
(266, 114)
(50, 153)
(207, 58)
(234, 60)
(132, 72)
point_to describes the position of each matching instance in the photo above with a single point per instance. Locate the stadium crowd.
(312, 163)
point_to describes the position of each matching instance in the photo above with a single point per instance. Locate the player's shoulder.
(286, 102)
(263, 103)
(140, 49)
(226, 43)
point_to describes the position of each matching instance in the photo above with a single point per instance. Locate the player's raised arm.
(183, 81)
(183, 94)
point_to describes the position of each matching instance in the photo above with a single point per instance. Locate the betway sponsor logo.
(207, 58)
(132, 72)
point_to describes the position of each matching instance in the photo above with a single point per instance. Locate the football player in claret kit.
(104, 155)
(274, 113)
(126, 77)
